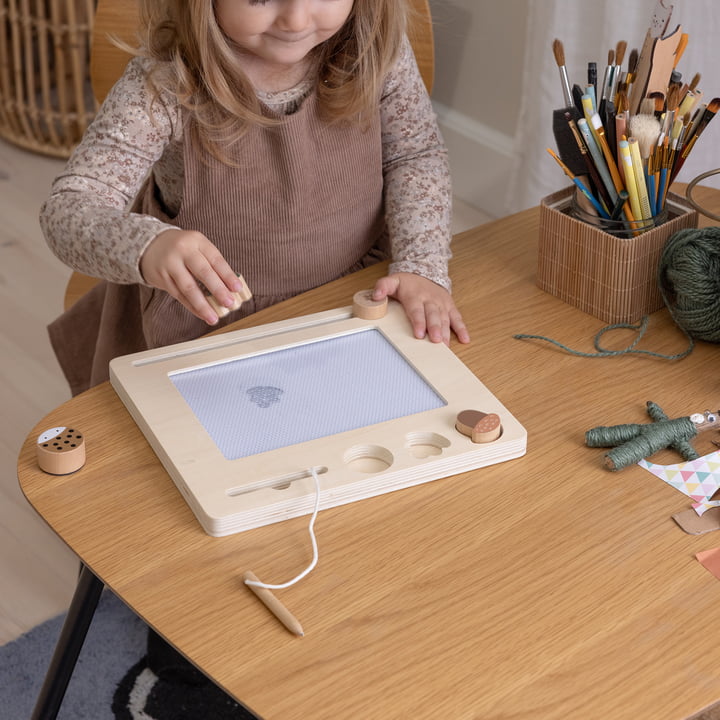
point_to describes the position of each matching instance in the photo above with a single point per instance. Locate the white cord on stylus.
(311, 529)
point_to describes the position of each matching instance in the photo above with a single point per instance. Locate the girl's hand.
(429, 307)
(176, 260)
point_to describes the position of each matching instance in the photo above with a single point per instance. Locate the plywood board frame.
(232, 495)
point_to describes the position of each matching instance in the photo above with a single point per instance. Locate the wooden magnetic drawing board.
(239, 420)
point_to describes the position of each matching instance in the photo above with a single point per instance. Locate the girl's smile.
(280, 33)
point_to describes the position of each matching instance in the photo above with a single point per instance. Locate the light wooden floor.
(37, 571)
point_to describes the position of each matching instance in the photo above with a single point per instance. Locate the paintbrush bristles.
(558, 52)
(694, 82)
(633, 61)
(647, 106)
(673, 98)
(620, 50)
(646, 130)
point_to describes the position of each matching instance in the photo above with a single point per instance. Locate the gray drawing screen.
(264, 402)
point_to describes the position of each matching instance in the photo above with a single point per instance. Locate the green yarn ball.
(689, 278)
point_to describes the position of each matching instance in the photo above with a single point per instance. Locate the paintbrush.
(703, 117)
(622, 101)
(581, 186)
(564, 140)
(683, 134)
(672, 101)
(607, 76)
(696, 117)
(623, 196)
(663, 157)
(609, 125)
(596, 180)
(608, 154)
(689, 87)
(599, 132)
(708, 115)
(651, 179)
(658, 99)
(646, 130)
(598, 159)
(559, 53)
(621, 128)
(620, 50)
(647, 107)
(689, 102)
(640, 179)
(592, 77)
(630, 182)
(632, 66)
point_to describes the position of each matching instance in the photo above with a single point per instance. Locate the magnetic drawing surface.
(241, 420)
(284, 397)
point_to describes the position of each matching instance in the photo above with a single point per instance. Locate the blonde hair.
(198, 64)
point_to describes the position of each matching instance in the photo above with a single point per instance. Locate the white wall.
(484, 49)
(478, 75)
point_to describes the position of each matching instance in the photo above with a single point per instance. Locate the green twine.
(689, 280)
(631, 442)
(605, 352)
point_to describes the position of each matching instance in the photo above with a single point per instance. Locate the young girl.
(290, 141)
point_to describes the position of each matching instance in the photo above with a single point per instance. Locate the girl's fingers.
(437, 324)
(189, 294)
(457, 325)
(219, 286)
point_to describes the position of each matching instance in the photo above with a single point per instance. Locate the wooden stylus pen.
(274, 605)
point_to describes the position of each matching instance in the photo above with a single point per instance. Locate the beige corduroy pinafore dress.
(299, 205)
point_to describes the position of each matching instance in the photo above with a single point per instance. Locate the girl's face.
(281, 32)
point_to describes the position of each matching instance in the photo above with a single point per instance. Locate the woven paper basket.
(614, 279)
(46, 102)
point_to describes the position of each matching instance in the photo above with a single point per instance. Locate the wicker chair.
(46, 102)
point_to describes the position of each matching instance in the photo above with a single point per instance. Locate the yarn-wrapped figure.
(632, 442)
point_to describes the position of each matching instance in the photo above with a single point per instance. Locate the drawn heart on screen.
(264, 395)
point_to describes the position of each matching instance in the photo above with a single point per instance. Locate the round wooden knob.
(61, 450)
(366, 308)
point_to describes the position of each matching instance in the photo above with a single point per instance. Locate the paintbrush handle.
(592, 170)
(708, 115)
(650, 181)
(593, 201)
(598, 159)
(661, 189)
(639, 174)
(610, 160)
(565, 83)
(630, 182)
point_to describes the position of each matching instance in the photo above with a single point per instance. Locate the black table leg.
(72, 636)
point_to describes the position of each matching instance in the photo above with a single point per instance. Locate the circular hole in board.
(426, 444)
(368, 458)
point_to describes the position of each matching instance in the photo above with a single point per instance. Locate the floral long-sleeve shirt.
(87, 220)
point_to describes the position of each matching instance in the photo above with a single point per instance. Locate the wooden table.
(544, 587)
